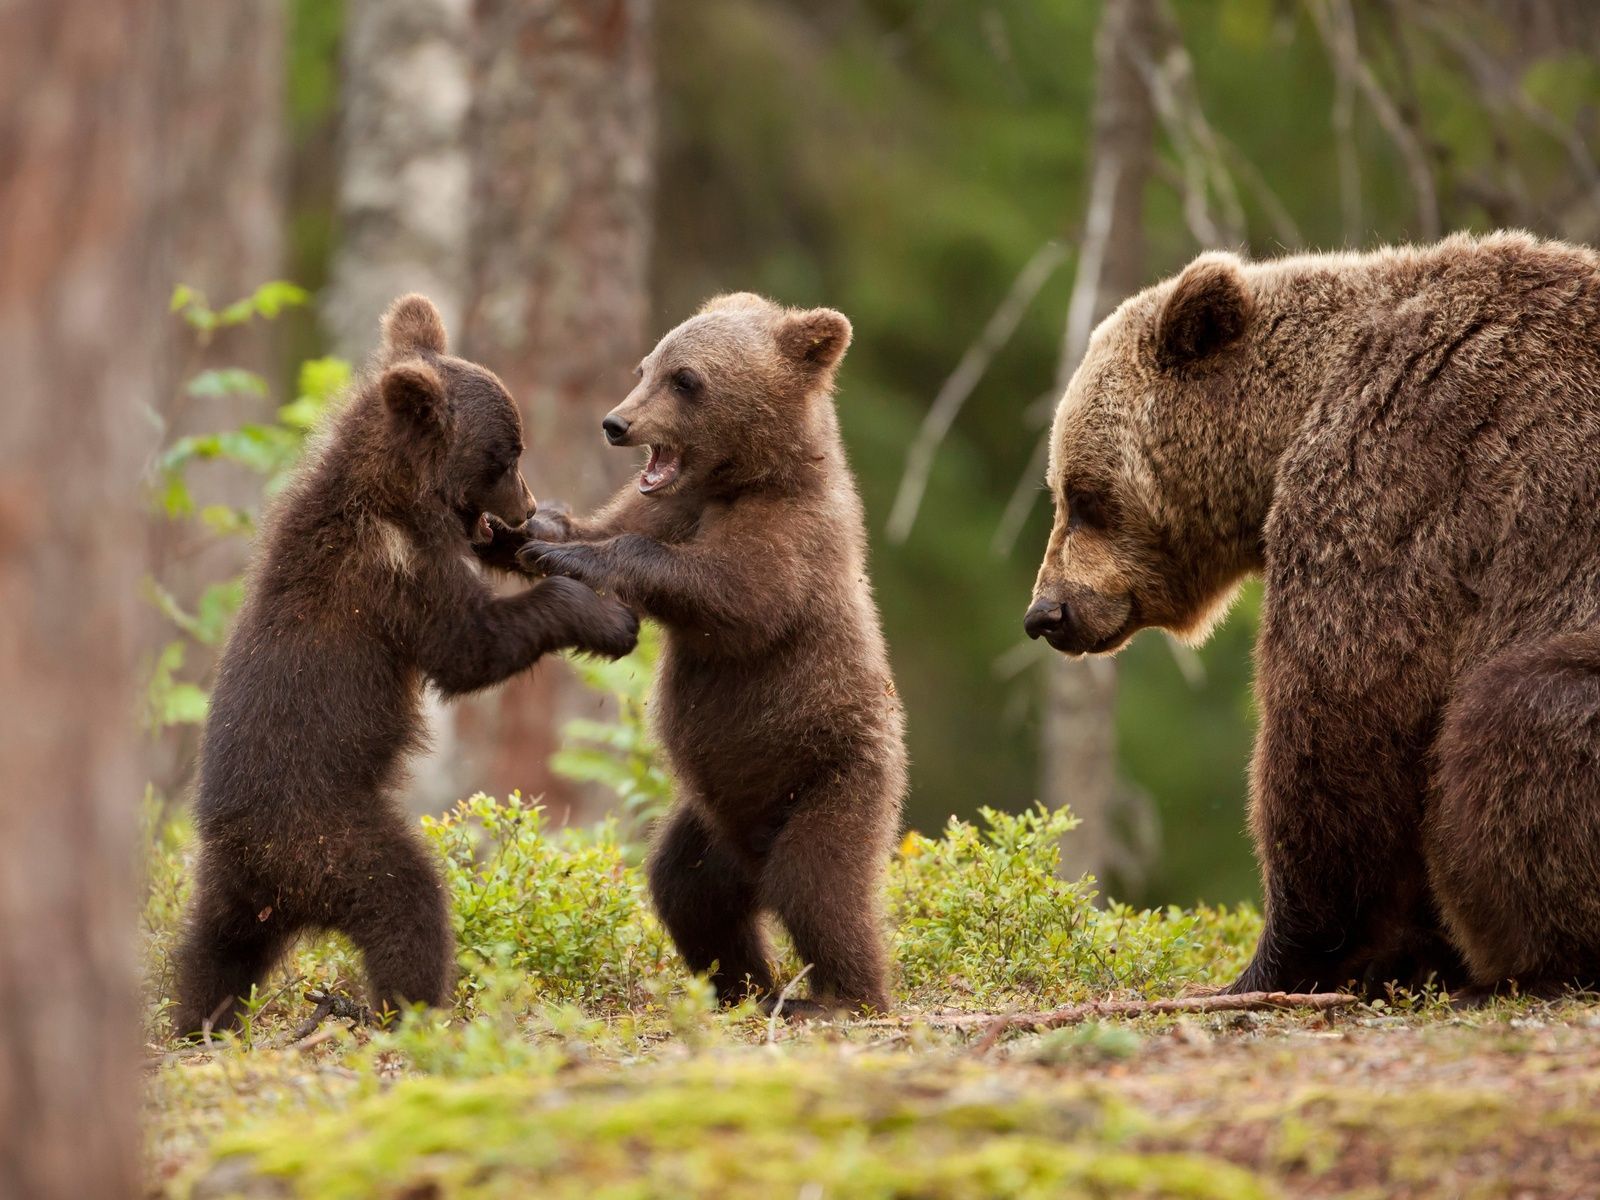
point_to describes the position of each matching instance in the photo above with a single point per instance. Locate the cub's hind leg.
(1513, 838)
(391, 903)
(231, 940)
(824, 879)
(706, 898)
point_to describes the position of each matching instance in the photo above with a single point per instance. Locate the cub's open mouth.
(660, 470)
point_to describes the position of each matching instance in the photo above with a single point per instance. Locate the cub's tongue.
(660, 470)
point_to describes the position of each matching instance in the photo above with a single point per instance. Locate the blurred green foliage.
(620, 753)
(902, 160)
(267, 449)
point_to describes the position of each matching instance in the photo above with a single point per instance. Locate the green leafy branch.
(268, 449)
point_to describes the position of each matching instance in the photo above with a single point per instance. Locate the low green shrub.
(982, 916)
(978, 918)
(561, 906)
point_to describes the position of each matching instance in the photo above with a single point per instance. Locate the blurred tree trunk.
(222, 108)
(223, 103)
(81, 311)
(564, 137)
(1078, 751)
(405, 179)
(405, 216)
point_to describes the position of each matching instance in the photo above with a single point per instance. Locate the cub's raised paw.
(553, 558)
(616, 632)
(600, 625)
(496, 543)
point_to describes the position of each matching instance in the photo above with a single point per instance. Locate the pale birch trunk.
(1078, 751)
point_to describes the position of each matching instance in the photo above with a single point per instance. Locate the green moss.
(728, 1126)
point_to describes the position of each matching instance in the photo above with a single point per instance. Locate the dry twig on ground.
(340, 1008)
(1073, 1014)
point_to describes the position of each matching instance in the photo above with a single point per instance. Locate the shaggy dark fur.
(1407, 445)
(745, 538)
(363, 591)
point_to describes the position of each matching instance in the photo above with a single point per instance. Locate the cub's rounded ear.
(1208, 310)
(415, 395)
(815, 338)
(413, 326)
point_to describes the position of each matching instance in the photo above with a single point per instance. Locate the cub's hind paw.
(808, 1009)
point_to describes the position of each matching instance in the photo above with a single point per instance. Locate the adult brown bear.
(1406, 445)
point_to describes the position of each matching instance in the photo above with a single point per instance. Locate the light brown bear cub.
(745, 538)
(1406, 445)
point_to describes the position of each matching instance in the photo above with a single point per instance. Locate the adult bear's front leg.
(1336, 812)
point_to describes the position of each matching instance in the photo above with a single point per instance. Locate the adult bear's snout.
(1044, 618)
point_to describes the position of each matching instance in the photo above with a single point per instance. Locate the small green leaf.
(302, 414)
(273, 297)
(227, 520)
(323, 379)
(184, 296)
(184, 704)
(173, 496)
(262, 448)
(214, 613)
(227, 381)
(237, 313)
(189, 447)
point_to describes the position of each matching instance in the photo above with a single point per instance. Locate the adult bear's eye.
(685, 382)
(1085, 510)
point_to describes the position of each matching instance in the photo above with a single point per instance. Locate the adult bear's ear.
(814, 338)
(415, 397)
(413, 326)
(1208, 309)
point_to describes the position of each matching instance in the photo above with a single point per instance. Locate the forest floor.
(676, 1101)
(578, 1059)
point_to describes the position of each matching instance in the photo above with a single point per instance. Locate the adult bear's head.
(1151, 523)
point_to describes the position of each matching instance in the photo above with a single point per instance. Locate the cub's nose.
(1044, 618)
(615, 428)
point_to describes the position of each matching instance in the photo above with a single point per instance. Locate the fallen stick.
(1073, 1014)
(340, 1008)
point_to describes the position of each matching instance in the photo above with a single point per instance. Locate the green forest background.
(902, 160)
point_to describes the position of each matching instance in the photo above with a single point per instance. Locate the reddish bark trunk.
(80, 315)
(563, 137)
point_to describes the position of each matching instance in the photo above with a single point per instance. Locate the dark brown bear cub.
(363, 592)
(745, 538)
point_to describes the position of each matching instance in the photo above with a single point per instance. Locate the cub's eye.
(1085, 510)
(685, 382)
